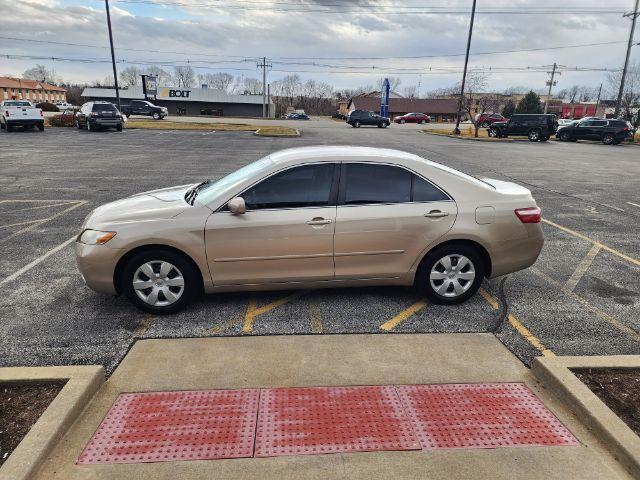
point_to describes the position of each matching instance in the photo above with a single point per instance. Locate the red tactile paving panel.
(169, 426)
(489, 415)
(307, 421)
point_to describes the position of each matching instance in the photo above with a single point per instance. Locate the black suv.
(365, 117)
(537, 127)
(144, 107)
(97, 115)
(609, 132)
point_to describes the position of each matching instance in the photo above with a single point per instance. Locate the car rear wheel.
(534, 135)
(450, 274)
(403, 121)
(422, 122)
(159, 281)
(41, 127)
(544, 138)
(493, 133)
(356, 124)
(565, 136)
(119, 127)
(608, 139)
(382, 125)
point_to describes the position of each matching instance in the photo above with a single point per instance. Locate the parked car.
(563, 122)
(62, 106)
(297, 116)
(485, 120)
(537, 127)
(146, 108)
(312, 217)
(97, 115)
(20, 113)
(608, 131)
(412, 118)
(356, 118)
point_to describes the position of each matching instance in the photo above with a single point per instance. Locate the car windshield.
(212, 190)
(17, 104)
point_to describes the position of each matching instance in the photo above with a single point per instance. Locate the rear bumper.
(97, 264)
(25, 122)
(517, 254)
(106, 122)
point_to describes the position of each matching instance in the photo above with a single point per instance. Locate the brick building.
(32, 90)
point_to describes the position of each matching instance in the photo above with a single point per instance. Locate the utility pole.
(464, 74)
(264, 65)
(633, 16)
(550, 83)
(598, 100)
(113, 55)
(268, 99)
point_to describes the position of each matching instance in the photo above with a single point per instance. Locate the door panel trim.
(378, 252)
(276, 257)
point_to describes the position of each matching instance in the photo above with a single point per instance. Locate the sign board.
(149, 86)
(384, 99)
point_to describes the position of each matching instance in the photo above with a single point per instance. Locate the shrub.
(61, 121)
(47, 107)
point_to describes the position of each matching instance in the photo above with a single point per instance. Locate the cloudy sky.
(344, 43)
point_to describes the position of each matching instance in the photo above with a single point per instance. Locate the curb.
(82, 383)
(556, 375)
(285, 135)
(473, 139)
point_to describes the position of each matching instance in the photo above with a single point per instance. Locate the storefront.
(187, 101)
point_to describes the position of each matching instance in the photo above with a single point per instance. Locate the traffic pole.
(634, 17)
(113, 55)
(464, 74)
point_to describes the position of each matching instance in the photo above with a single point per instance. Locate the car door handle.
(436, 214)
(319, 221)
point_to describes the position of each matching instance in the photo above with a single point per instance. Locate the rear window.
(617, 123)
(17, 104)
(103, 107)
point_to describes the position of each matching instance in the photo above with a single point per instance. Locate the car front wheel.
(484, 124)
(565, 136)
(493, 133)
(156, 116)
(159, 281)
(356, 124)
(450, 274)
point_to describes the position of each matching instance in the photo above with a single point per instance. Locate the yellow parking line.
(403, 315)
(635, 261)
(221, 328)
(520, 328)
(603, 315)
(316, 318)
(249, 316)
(582, 268)
(253, 311)
(144, 325)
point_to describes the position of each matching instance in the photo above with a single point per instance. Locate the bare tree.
(184, 76)
(251, 86)
(162, 76)
(40, 73)
(630, 104)
(476, 82)
(410, 91)
(217, 81)
(572, 93)
(130, 76)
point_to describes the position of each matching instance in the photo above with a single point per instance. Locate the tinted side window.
(366, 183)
(103, 107)
(424, 191)
(305, 186)
(599, 123)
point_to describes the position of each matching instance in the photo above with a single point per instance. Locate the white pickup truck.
(20, 113)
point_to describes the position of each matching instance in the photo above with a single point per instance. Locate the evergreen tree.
(530, 103)
(509, 109)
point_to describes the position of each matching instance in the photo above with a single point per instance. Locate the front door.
(286, 234)
(386, 217)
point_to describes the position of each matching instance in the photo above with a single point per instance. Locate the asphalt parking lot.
(581, 298)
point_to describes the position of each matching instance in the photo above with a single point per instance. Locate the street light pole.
(553, 74)
(464, 74)
(113, 55)
(634, 17)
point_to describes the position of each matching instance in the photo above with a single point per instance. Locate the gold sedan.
(312, 217)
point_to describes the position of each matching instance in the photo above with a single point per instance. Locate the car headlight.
(95, 237)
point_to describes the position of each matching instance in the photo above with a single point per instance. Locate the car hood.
(159, 204)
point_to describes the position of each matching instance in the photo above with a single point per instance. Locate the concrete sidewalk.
(332, 360)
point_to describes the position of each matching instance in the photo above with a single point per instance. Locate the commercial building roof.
(422, 105)
(174, 94)
(12, 82)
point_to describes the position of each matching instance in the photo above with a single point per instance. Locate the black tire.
(156, 116)
(88, 125)
(356, 124)
(424, 285)
(78, 126)
(494, 133)
(9, 128)
(382, 125)
(484, 124)
(422, 122)
(119, 127)
(403, 121)
(608, 139)
(1, 126)
(192, 280)
(41, 127)
(534, 135)
(565, 137)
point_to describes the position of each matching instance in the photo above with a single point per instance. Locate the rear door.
(386, 217)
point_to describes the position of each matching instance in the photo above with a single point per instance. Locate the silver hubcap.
(452, 275)
(158, 283)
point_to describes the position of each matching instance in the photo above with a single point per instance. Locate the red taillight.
(6, 113)
(529, 215)
(41, 113)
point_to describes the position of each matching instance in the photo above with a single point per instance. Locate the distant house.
(21, 89)
(440, 110)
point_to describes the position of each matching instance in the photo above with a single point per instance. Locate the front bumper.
(97, 264)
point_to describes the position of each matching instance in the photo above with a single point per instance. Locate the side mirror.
(237, 206)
